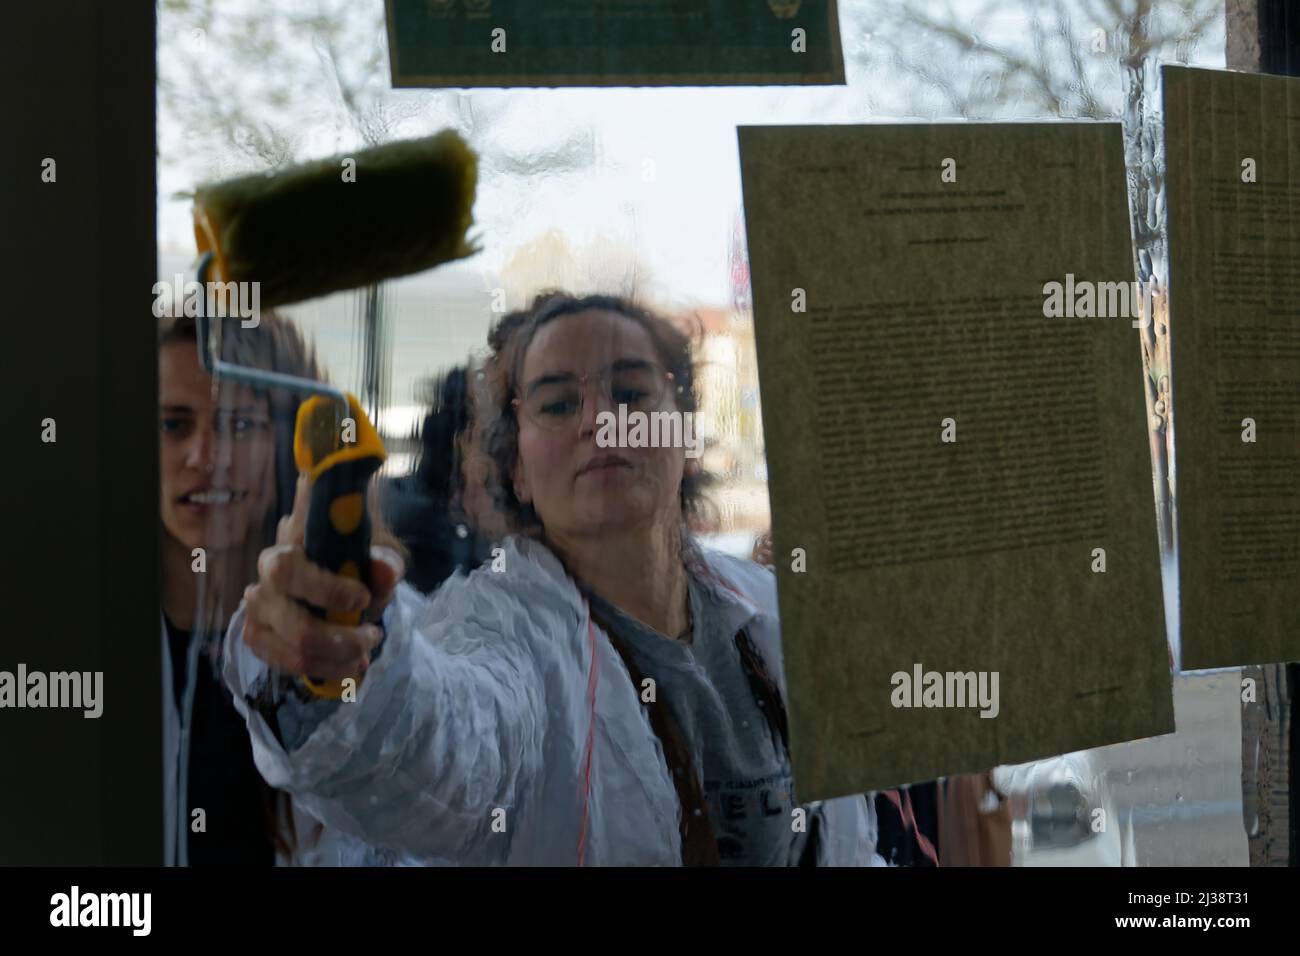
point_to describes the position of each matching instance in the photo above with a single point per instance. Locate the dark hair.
(510, 338)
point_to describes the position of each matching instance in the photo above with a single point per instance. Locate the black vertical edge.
(78, 344)
(1279, 37)
(129, 578)
(1291, 676)
(1279, 53)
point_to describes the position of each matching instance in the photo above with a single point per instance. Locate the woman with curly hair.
(602, 691)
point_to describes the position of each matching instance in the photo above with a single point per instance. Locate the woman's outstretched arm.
(445, 732)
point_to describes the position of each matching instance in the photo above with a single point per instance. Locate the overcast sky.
(679, 221)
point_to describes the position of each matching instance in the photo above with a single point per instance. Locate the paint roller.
(306, 231)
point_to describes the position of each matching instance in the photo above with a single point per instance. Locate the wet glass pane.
(636, 192)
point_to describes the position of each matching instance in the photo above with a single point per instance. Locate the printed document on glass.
(1233, 192)
(964, 528)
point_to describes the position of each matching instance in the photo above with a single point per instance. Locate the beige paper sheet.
(925, 302)
(1234, 300)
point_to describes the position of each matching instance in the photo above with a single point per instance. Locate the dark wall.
(77, 344)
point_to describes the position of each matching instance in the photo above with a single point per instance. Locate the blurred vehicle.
(1064, 813)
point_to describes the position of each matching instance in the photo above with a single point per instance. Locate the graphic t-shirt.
(745, 769)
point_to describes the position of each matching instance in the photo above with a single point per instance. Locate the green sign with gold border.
(502, 43)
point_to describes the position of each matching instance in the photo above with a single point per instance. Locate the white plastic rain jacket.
(499, 726)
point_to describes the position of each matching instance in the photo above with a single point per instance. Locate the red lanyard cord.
(591, 737)
(904, 806)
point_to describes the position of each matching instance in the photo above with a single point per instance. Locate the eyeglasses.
(556, 401)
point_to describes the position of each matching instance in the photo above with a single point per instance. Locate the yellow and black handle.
(339, 453)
